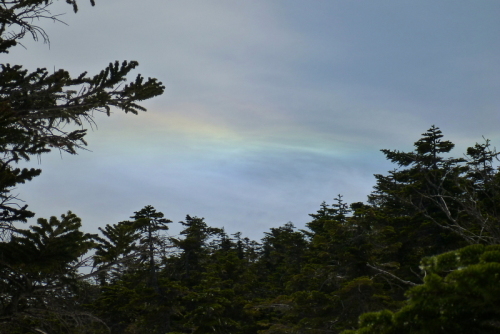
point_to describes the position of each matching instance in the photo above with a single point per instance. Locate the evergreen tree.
(413, 222)
(135, 251)
(479, 216)
(116, 251)
(41, 111)
(460, 294)
(40, 279)
(282, 255)
(331, 287)
(217, 303)
(37, 107)
(194, 249)
(149, 223)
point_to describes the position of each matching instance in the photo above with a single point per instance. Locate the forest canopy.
(421, 255)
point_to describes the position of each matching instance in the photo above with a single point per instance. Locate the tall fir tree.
(415, 225)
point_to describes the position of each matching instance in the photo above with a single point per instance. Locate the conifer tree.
(194, 248)
(36, 107)
(460, 294)
(39, 278)
(41, 111)
(217, 303)
(149, 223)
(135, 253)
(331, 287)
(282, 255)
(116, 250)
(415, 226)
(477, 217)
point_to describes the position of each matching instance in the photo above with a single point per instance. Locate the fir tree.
(407, 200)
(37, 107)
(460, 294)
(41, 111)
(39, 278)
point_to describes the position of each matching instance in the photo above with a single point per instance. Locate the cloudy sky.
(270, 107)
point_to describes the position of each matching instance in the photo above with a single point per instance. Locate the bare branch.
(392, 275)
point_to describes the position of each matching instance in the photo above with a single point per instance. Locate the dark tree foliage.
(350, 259)
(193, 249)
(414, 225)
(39, 278)
(41, 287)
(129, 258)
(460, 294)
(282, 255)
(37, 107)
(149, 223)
(17, 19)
(41, 110)
(433, 205)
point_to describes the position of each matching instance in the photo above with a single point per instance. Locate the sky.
(270, 107)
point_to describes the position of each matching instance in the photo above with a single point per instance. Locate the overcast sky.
(270, 107)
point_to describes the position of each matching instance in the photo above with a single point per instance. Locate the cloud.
(270, 107)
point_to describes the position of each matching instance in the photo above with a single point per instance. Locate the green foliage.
(352, 259)
(120, 240)
(41, 288)
(50, 245)
(148, 224)
(282, 255)
(414, 213)
(194, 251)
(460, 294)
(39, 274)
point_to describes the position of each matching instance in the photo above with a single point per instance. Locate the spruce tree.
(415, 224)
